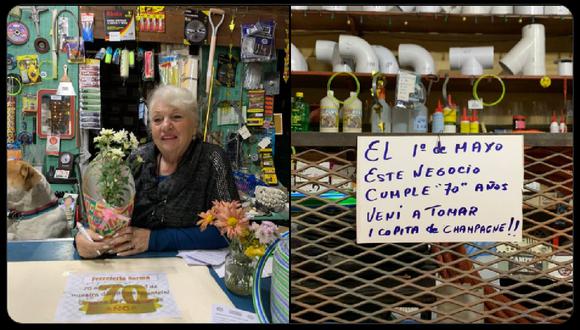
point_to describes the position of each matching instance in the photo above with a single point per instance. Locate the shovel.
(214, 29)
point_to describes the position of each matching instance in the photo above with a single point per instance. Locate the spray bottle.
(554, 127)
(474, 124)
(381, 113)
(437, 126)
(329, 113)
(352, 114)
(563, 127)
(449, 117)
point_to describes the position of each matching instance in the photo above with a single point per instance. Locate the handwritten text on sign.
(439, 189)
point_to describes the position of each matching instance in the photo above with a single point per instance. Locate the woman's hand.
(129, 241)
(91, 250)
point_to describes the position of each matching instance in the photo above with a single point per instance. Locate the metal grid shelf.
(335, 280)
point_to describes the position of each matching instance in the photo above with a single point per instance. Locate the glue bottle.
(381, 116)
(449, 117)
(329, 113)
(437, 126)
(554, 127)
(352, 114)
(464, 125)
(474, 124)
(563, 127)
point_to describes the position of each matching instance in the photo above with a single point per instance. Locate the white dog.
(34, 211)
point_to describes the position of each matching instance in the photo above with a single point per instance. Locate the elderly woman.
(179, 177)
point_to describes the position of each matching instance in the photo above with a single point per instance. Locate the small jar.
(519, 122)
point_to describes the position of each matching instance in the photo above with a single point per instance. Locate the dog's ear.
(29, 175)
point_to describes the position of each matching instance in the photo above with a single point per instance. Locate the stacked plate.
(280, 290)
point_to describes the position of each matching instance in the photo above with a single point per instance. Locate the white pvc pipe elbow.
(297, 61)
(417, 57)
(529, 54)
(387, 61)
(428, 9)
(364, 56)
(476, 10)
(502, 10)
(471, 60)
(327, 51)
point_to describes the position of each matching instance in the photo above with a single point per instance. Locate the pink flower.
(231, 219)
(265, 232)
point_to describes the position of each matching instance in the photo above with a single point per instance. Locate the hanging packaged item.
(195, 29)
(119, 25)
(253, 76)
(268, 111)
(169, 70)
(258, 43)
(90, 94)
(226, 70)
(29, 69)
(255, 113)
(268, 169)
(151, 18)
(124, 67)
(148, 66)
(87, 23)
(29, 102)
(75, 49)
(272, 83)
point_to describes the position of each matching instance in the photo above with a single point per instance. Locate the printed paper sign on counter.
(439, 189)
(116, 296)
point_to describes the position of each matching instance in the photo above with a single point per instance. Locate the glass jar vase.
(239, 270)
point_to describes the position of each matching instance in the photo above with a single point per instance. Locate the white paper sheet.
(121, 296)
(224, 314)
(204, 257)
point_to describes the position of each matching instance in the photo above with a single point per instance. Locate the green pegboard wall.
(45, 61)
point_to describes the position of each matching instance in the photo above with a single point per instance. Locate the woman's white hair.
(176, 97)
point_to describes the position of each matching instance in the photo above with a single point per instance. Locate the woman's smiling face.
(172, 129)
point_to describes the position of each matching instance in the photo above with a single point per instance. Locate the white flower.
(106, 132)
(120, 136)
(117, 152)
(134, 142)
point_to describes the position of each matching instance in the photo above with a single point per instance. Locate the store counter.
(37, 273)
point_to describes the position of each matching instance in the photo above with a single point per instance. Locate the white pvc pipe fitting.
(387, 61)
(502, 10)
(327, 51)
(377, 8)
(428, 9)
(298, 7)
(297, 61)
(565, 67)
(528, 55)
(364, 56)
(529, 10)
(476, 10)
(417, 57)
(471, 60)
(556, 10)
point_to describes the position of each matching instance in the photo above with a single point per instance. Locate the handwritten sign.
(439, 189)
(121, 296)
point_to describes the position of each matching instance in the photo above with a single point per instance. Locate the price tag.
(244, 132)
(405, 85)
(475, 104)
(61, 174)
(264, 143)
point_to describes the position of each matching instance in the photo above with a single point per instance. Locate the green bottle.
(300, 114)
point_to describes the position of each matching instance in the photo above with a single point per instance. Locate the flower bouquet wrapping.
(108, 185)
(247, 242)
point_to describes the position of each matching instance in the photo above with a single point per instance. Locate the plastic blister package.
(258, 43)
